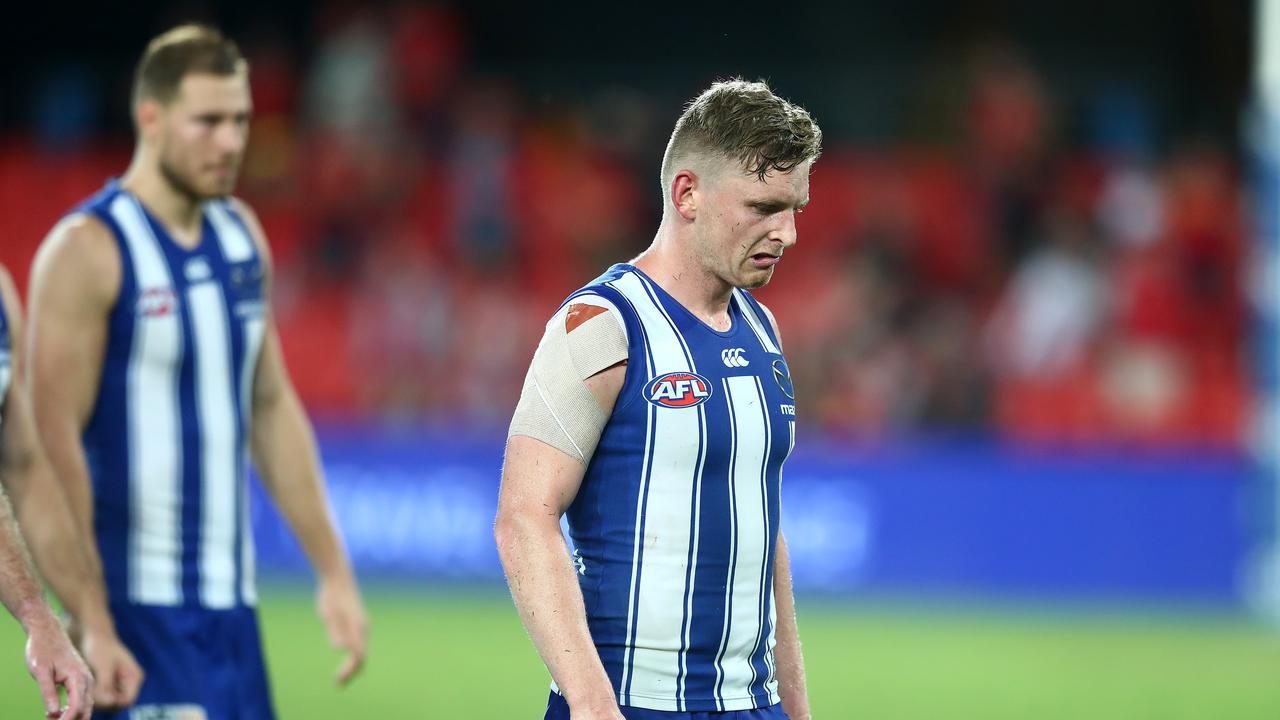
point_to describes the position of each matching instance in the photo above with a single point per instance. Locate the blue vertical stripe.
(106, 434)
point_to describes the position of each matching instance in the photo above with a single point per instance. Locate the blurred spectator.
(1003, 275)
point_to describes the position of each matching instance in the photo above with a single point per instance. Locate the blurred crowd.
(427, 217)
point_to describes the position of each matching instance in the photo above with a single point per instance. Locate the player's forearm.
(60, 555)
(50, 531)
(546, 593)
(19, 590)
(286, 457)
(789, 660)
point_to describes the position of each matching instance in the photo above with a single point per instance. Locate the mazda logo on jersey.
(782, 374)
(678, 390)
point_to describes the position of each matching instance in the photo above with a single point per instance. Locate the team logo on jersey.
(198, 269)
(782, 374)
(157, 302)
(678, 390)
(733, 358)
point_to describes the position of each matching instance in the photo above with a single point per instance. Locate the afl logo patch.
(157, 302)
(678, 390)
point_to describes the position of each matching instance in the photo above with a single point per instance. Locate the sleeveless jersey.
(675, 524)
(6, 360)
(166, 442)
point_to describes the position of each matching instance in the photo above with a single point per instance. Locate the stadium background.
(1018, 317)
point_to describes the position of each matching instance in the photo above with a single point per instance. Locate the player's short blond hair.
(184, 50)
(743, 122)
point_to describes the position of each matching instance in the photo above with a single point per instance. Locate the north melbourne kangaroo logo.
(733, 358)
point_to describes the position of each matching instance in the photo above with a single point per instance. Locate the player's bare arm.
(50, 658)
(75, 280)
(790, 662)
(74, 284)
(284, 451)
(539, 482)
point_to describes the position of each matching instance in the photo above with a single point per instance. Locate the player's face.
(203, 133)
(748, 223)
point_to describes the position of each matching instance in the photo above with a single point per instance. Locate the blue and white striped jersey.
(6, 359)
(166, 443)
(676, 522)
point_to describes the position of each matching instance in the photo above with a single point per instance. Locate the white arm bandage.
(555, 405)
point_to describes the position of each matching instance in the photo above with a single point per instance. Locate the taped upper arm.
(573, 380)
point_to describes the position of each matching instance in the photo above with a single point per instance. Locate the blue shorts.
(558, 709)
(194, 658)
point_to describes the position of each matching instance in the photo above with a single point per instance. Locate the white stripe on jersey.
(253, 336)
(764, 511)
(742, 628)
(756, 322)
(237, 246)
(692, 570)
(154, 424)
(215, 403)
(656, 617)
(733, 544)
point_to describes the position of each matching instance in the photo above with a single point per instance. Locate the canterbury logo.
(733, 357)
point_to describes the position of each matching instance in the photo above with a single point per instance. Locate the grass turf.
(464, 655)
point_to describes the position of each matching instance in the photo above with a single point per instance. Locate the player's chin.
(217, 190)
(755, 278)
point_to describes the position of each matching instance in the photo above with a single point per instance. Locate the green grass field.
(464, 655)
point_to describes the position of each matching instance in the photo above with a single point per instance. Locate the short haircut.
(182, 51)
(744, 122)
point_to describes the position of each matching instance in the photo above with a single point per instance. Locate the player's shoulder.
(8, 295)
(252, 223)
(752, 302)
(84, 235)
(80, 255)
(773, 321)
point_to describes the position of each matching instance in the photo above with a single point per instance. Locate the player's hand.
(117, 675)
(54, 663)
(342, 612)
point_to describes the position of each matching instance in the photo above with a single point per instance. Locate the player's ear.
(684, 194)
(146, 116)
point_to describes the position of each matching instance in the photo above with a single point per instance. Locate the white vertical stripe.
(154, 421)
(675, 439)
(772, 684)
(215, 403)
(237, 246)
(733, 540)
(6, 370)
(254, 328)
(751, 537)
(692, 571)
(756, 322)
(764, 512)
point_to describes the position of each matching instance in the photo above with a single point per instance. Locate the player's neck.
(179, 213)
(682, 276)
